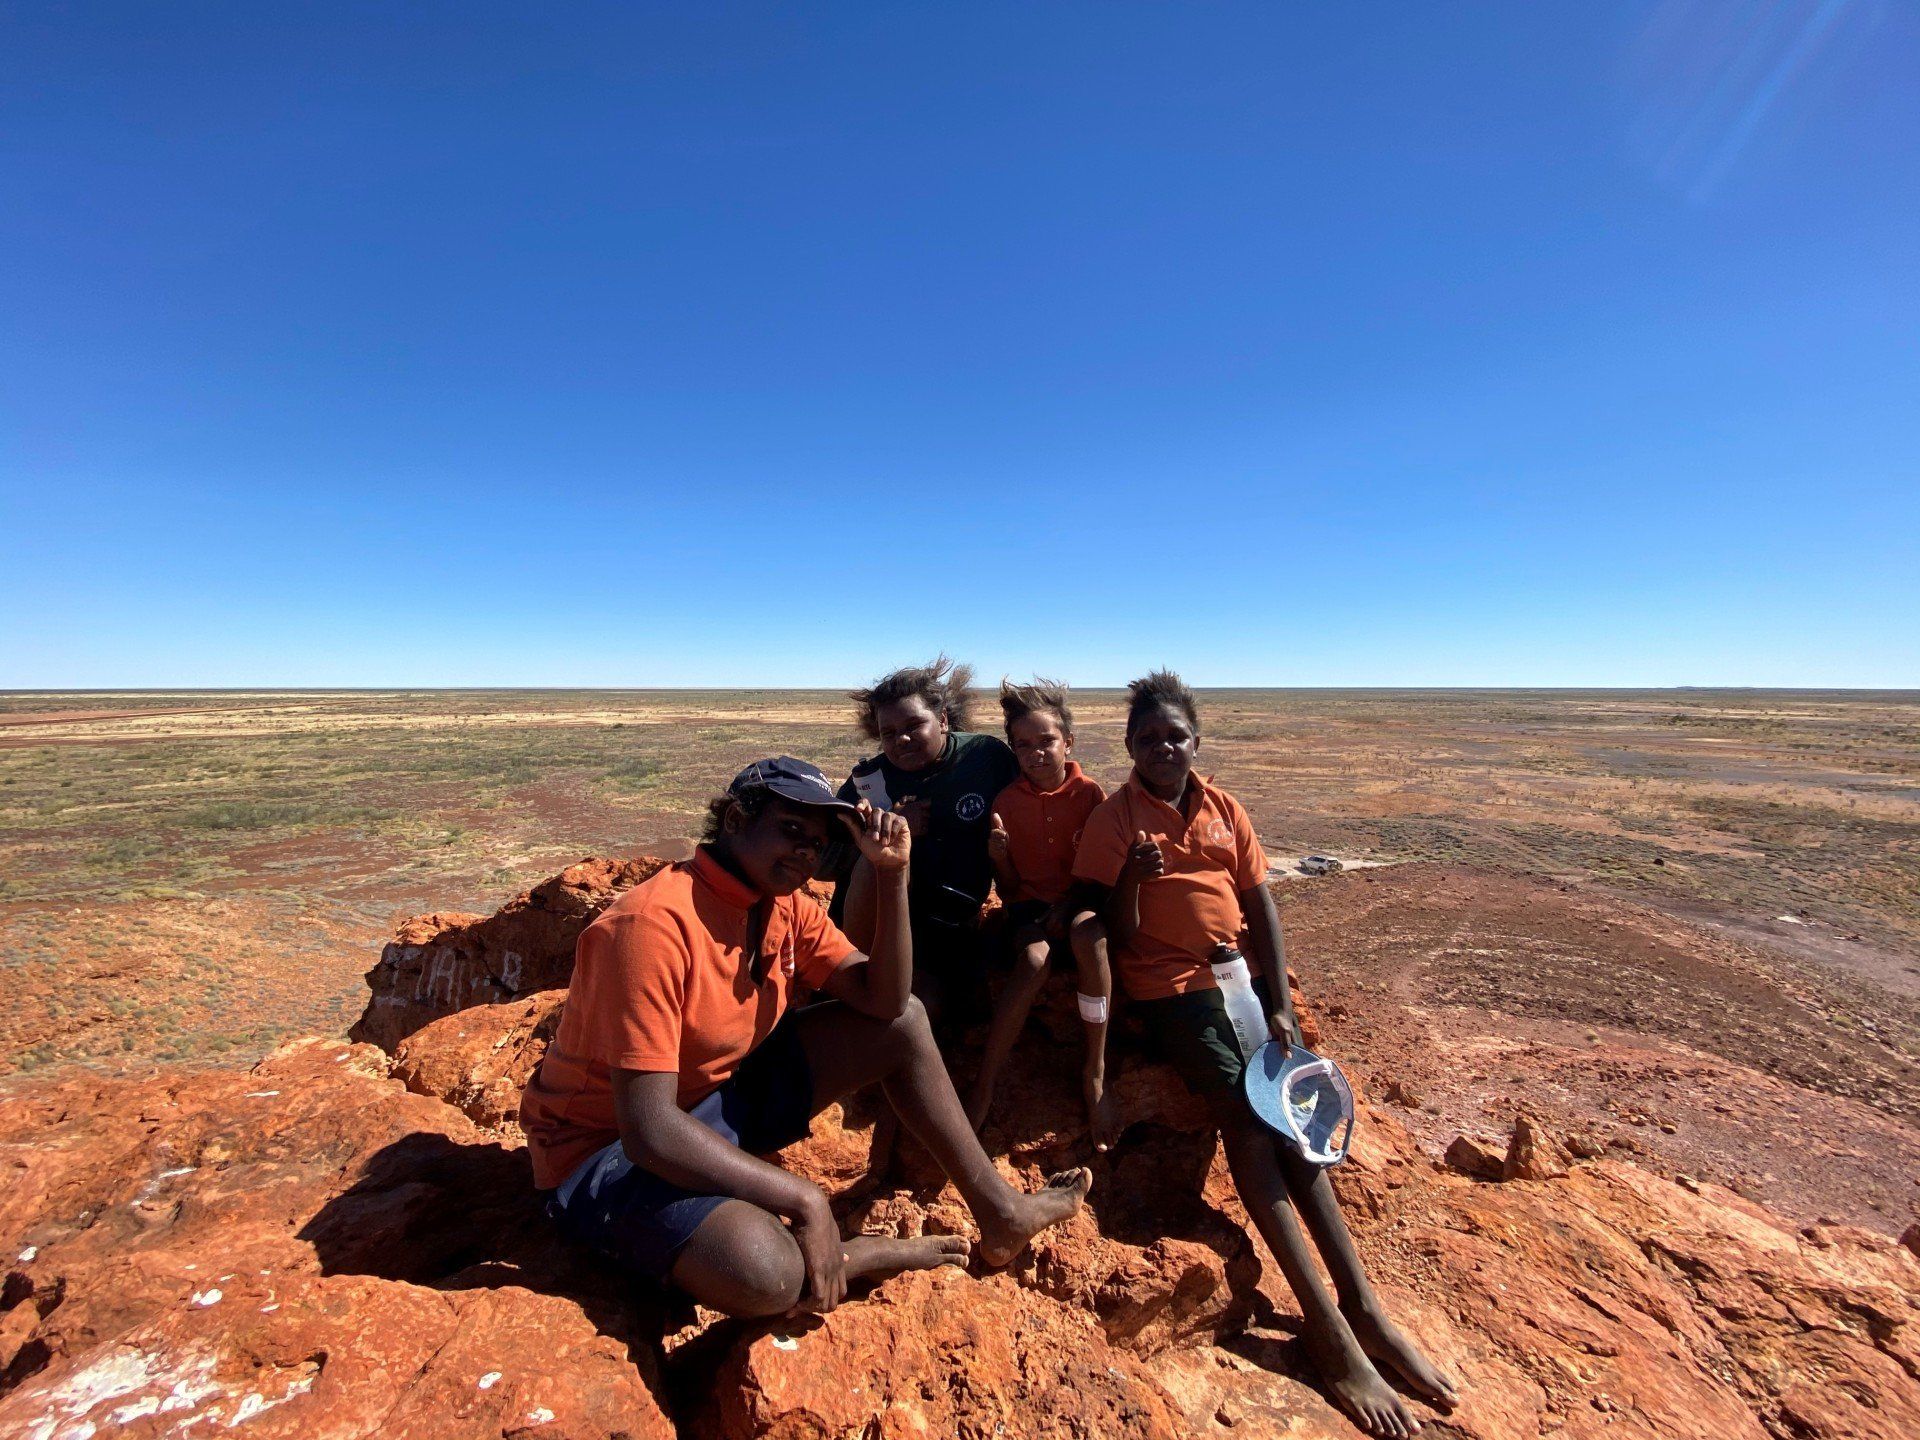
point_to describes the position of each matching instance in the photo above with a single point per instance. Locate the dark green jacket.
(952, 856)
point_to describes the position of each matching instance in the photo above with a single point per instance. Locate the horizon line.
(829, 688)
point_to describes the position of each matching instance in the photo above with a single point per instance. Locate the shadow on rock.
(431, 1211)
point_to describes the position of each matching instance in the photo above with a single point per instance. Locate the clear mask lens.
(1306, 1099)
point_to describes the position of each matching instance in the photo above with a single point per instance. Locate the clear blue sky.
(723, 344)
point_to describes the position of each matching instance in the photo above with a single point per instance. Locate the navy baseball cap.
(793, 780)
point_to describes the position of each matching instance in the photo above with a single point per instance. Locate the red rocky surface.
(479, 1060)
(939, 1354)
(284, 1248)
(381, 1266)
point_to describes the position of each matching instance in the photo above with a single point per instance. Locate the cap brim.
(801, 795)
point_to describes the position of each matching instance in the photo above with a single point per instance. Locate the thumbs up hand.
(1144, 860)
(997, 839)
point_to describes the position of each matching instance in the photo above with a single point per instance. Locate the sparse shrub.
(247, 815)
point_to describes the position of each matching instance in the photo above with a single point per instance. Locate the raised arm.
(861, 913)
(1122, 912)
(879, 982)
(1006, 879)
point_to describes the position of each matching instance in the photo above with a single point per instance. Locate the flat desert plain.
(1680, 924)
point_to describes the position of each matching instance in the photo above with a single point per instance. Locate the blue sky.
(1285, 344)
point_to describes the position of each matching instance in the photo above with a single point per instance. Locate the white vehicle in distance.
(1320, 865)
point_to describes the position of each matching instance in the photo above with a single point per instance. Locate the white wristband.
(1093, 1008)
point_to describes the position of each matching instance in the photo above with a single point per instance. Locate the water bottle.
(1244, 1010)
(873, 789)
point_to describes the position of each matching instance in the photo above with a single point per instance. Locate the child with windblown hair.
(1036, 825)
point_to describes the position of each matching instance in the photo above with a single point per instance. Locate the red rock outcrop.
(1533, 1154)
(438, 964)
(479, 1060)
(339, 1243)
(443, 963)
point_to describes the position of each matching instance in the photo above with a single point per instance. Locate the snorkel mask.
(1303, 1099)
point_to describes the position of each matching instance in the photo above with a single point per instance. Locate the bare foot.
(1103, 1116)
(1356, 1387)
(1005, 1236)
(1384, 1342)
(880, 1257)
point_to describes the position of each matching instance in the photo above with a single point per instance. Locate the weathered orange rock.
(438, 964)
(938, 1354)
(1470, 1157)
(284, 1247)
(1533, 1154)
(479, 1060)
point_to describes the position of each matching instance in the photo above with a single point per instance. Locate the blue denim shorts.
(640, 1221)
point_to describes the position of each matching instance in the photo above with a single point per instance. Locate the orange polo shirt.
(661, 982)
(1211, 856)
(1043, 827)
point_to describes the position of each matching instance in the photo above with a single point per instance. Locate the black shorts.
(640, 1221)
(1194, 1035)
(1019, 915)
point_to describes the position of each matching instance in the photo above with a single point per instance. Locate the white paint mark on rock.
(255, 1404)
(490, 1379)
(121, 1375)
(210, 1296)
(28, 1253)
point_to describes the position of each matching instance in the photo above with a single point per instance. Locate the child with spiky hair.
(941, 778)
(1036, 825)
(1182, 873)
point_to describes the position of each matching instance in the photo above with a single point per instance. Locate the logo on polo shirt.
(971, 807)
(1219, 832)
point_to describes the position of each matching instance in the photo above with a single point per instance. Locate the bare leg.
(931, 993)
(1350, 1377)
(1089, 940)
(848, 1050)
(741, 1261)
(1009, 1017)
(1313, 1196)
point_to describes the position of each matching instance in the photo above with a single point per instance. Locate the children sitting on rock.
(678, 1062)
(1036, 823)
(1182, 873)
